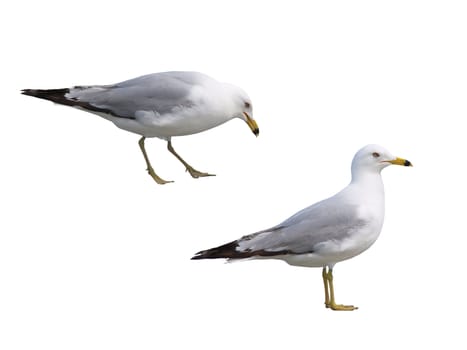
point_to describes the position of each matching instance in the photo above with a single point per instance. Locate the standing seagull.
(333, 230)
(160, 105)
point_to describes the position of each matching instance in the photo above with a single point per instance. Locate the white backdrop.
(95, 255)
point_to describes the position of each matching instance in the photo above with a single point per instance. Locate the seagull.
(160, 105)
(327, 232)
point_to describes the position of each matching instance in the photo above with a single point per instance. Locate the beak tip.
(407, 163)
(256, 132)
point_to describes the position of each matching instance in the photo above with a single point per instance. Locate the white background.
(95, 255)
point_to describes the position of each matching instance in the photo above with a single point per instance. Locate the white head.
(243, 108)
(373, 159)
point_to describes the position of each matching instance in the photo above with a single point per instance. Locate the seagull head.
(243, 108)
(247, 116)
(374, 158)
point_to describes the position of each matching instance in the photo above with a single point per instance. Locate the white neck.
(370, 185)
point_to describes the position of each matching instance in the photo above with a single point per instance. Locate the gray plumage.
(159, 92)
(304, 231)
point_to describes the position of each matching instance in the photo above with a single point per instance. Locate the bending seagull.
(160, 105)
(333, 230)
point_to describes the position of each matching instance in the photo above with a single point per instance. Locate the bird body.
(327, 232)
(163, 104)
(346, 240)
(160, 105)
(307, 239)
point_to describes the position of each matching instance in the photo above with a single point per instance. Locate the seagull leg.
(150, 170)
(332, 302)
(326, 287)
(193, 172)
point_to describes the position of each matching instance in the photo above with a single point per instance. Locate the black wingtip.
(59, 96)
(226, 251)
(54, 95)
(213, 253)
(29, 92)
(199, 255)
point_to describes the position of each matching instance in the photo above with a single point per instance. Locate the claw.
(156, 178)
(193, 172)
(196, 174)
(340, 307)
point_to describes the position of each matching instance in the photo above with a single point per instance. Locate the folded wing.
(158, 92)
(302, 233)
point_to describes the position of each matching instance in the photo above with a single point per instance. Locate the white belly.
(167, 126)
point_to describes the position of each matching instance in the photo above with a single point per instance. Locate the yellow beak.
(252, 124)
(400, 161)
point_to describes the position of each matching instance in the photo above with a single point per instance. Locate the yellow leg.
(151, 171)
(326, 287)
(332, 302)
(193, 172)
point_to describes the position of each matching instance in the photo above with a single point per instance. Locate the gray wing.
(301, 233)
(158, 92)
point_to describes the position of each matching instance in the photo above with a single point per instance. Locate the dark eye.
(375, 154)
(247, 105)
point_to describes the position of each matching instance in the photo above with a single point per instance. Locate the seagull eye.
(375, 154)
(247, 105)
